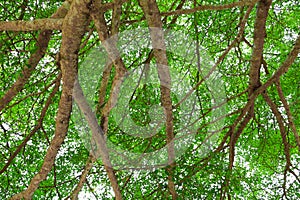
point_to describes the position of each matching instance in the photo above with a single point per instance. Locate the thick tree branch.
(42, 44)
(153, 18)
(257, 50)
(34, 25)
(254, 74)
(111, 5)
(117, 11)
(106, 73)
(98, 138)
(74, 27)
(53, 23)
(114, 55)
(282, 69)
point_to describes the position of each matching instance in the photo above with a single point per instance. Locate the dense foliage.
(234, 136)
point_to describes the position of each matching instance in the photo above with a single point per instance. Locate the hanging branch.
(74, 27)
(288, 112)
(83, 177)
(37, 127)
(98, 134)
(283, 133)
(97, 15)
(114, 55)
(254, 74)
(98, 138)
(153, 18)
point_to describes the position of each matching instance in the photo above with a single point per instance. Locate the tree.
(150, 99)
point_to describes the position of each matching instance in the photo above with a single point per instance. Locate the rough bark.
(153, 18)
(42, 44)
(38, 24)
(254, 76)
(73, 29)
(258, 43)
(255, 65)
(288, 112)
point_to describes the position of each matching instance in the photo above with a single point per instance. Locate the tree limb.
(209, 7)
(153, 18)
(74, 27)
(34, 25)
(42, 44)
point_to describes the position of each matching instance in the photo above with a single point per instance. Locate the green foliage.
(201, 172)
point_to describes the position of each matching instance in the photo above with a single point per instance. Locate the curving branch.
(280, 121)
(237, 39)
(36, 128)
(254, 74)
(288, 112)
(114, 56)
(42, 44)
(74, 27)
(153, 18)
(98, 139)
(84, 174)
(283, 133)
(281, 70)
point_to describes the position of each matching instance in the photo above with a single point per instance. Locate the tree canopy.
(148, 99)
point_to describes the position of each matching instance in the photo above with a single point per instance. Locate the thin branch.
(280, 121)
(221, 58)
(42, 43)
(36, 128)
(46, 88)
(289, 114)
(108, 6)
(283, 133)
(209, 7)
(88, 167)
(98, 138)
